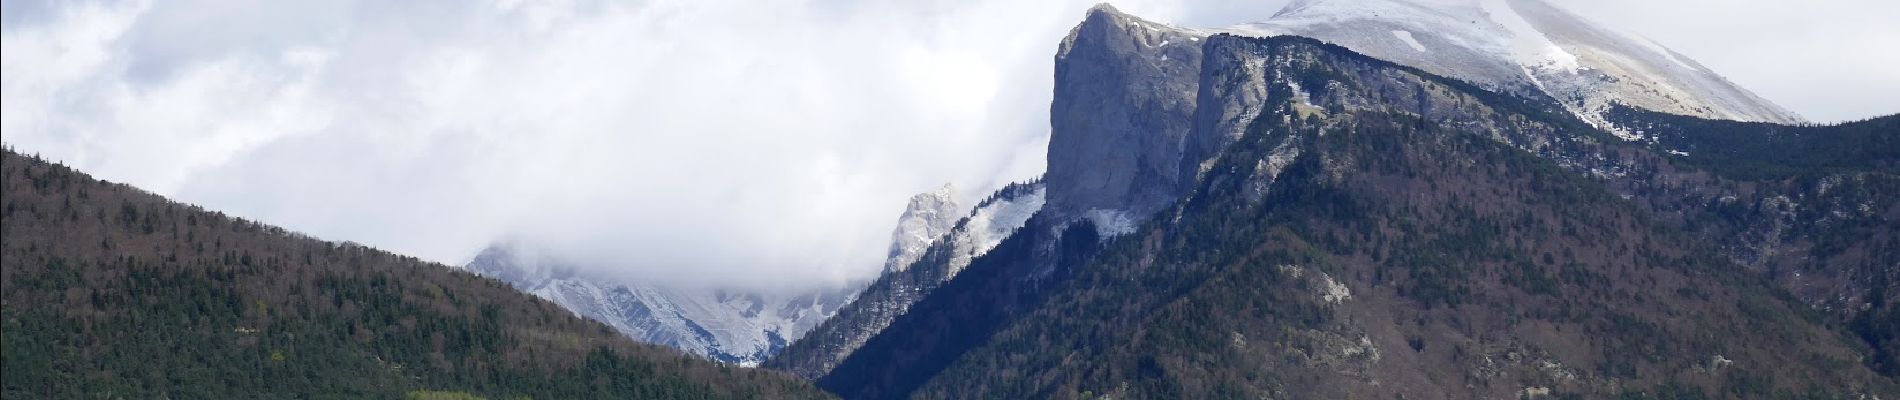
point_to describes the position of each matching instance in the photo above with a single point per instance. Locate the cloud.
(757, 142)
(739, 142)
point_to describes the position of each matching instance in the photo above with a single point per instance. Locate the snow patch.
(1406, 36)
(1110, 223)
(1528, 44)
(989, 224)
(1661, 50)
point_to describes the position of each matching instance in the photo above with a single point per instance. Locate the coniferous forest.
(112, 292)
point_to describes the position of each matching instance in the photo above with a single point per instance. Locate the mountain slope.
(743, 326)
(1134, 97)
(1513, 239)
(1814, 208)
(108, 291)
(738, 326)
(1525, 47)
(893, 293)
(1124, 99)
(1351, 248)
(733, 325)
(925, 220)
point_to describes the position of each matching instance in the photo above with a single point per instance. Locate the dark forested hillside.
(1393, 260)
(112, 292)
(1815, 208)
(1756, 150)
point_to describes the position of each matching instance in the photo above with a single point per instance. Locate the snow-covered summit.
(1524, 47)
(736, 326)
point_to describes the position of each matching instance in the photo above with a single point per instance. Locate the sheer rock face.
(1124, 102)
(1124, 94)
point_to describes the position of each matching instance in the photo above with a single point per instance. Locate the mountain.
(1375, 251)
(901, 285)
(928, 217)
(1125, 101)
(107, 291)
(737, 326)
(1231, 216)
(1525, 47)
(732, 325)
(1122, 110)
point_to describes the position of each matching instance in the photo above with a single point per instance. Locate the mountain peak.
(1124, 90)
(927, 218)
(1105, 20)
(1524, 47)
(947, 191)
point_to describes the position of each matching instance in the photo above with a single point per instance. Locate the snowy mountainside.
(992, 221)
(1524, 47)
(734, 326)
(742, 326)
(887, 298)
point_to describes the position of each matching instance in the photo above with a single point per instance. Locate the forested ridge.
(1401, 260)
(112, 292)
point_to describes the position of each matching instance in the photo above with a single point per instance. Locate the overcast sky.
(758, 142)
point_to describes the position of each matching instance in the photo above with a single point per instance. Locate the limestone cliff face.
(928, 217)
(1233, 91)
(1124, 97)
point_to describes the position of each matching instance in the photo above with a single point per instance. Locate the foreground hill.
(112, 292)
